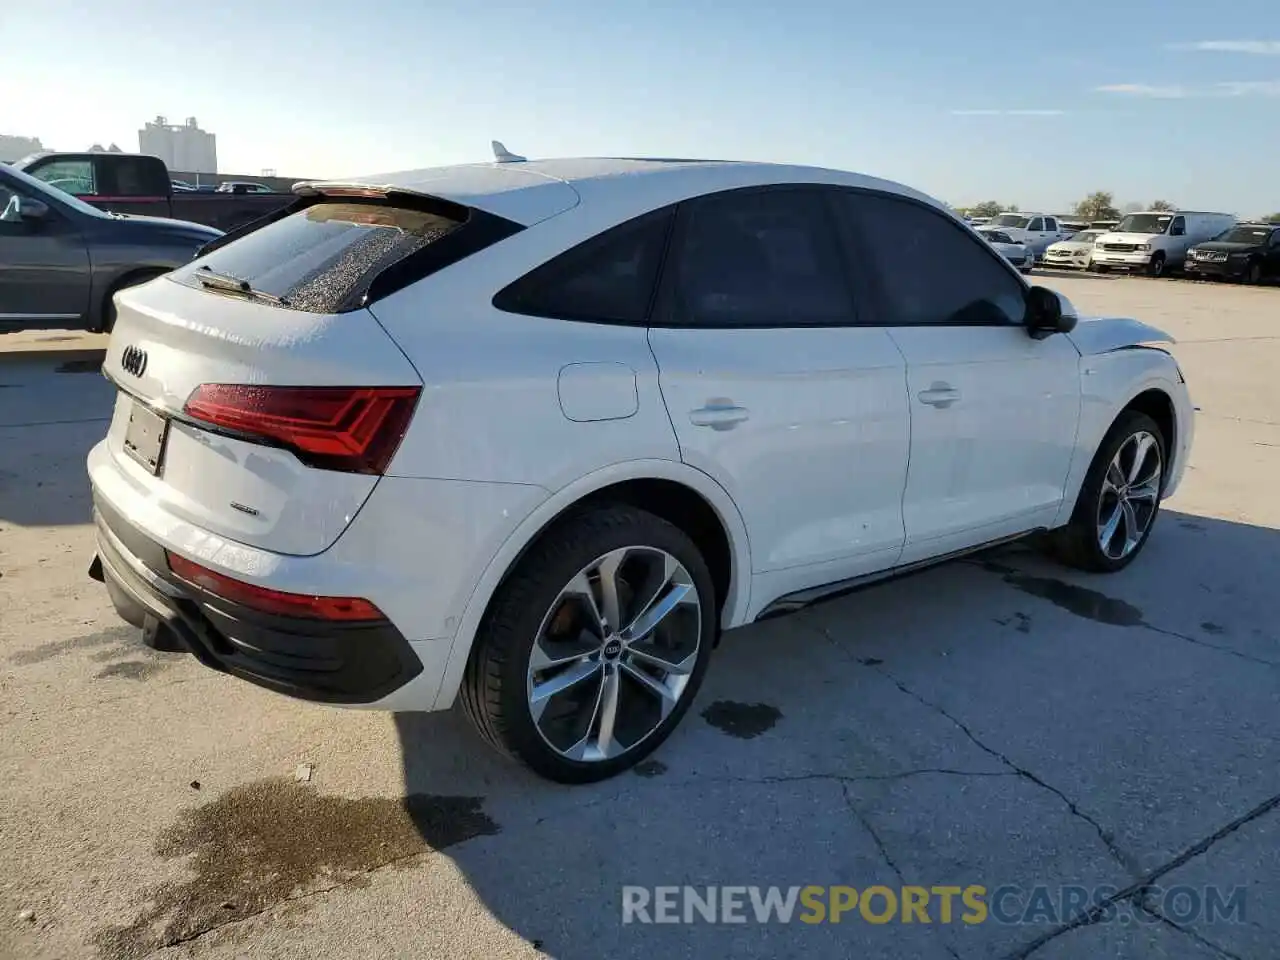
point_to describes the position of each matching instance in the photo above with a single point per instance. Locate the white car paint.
(826, 453)
(1020, 255)
(1075, 253)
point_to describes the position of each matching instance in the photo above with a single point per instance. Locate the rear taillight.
(356, 429)
(345, 609)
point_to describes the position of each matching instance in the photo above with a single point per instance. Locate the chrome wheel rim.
(614, 654)
(1130, 495)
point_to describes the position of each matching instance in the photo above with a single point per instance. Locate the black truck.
(140, 184)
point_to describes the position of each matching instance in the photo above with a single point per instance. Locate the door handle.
(718, 416)
(940, 395)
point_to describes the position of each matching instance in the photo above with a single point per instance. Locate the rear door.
(776, 392)
(993, 411)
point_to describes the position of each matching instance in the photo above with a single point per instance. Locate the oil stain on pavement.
(136, 661)
(742, 720)
(1081, 601)
(262, 843)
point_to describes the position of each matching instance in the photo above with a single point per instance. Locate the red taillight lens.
(348, 609)
(356, 429)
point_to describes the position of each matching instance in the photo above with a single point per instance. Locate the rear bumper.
(309, 659)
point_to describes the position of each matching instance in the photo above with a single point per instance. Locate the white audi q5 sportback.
(535, 433)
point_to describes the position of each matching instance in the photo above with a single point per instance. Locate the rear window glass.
(323, 259)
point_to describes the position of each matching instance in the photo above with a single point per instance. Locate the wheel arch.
(1137, 385)
(118, 281)
(683, 495)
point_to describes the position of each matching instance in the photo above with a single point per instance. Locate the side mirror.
(1048, 313)
(29, 209)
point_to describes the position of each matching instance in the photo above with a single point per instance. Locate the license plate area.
(144, 437)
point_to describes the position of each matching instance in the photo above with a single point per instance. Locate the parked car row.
(1196, 244)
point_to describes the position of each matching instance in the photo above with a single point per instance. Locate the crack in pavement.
(884, 850)
(1151, 911)
(1212, 646)
(1142, 886)
(1105, 836)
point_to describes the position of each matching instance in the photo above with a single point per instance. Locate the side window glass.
(1036, 224)
(608, 278)
(931, 270)
(1275, 238)
(760, 259)
(1178, 228)
(1051, 224)
(69, 176)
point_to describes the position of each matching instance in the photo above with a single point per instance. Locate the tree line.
(1099, 205)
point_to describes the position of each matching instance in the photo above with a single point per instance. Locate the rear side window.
(325, 258)
(133, 176)
(609, 278)
(759, 259)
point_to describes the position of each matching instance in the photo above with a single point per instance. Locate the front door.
(993, 411)
(44, 267)
(773, 389)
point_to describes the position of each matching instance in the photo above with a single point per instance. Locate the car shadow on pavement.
(909, 734)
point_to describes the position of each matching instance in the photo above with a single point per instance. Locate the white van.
(1157, 240)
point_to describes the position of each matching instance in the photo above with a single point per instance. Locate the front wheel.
(1119, 499)
(1156, 268)
(594, 646)
(1254, 273)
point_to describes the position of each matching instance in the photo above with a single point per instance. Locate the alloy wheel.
(1130, 495)
(613, 655)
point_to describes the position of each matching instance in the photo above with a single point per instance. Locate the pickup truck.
(140, 184)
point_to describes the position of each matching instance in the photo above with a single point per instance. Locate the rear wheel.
(594, 646)
(1119, 499)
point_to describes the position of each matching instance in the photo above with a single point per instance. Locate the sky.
(1030, 103)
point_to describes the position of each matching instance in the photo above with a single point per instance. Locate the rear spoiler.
(311, 192)
(477, 229)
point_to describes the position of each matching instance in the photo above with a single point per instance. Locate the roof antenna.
(502, 155)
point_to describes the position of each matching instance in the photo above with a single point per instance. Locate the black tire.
(494, 693)
(1076, 544)
(1253, 275)
(109, 305)
(1100, 268)
(1156, 268)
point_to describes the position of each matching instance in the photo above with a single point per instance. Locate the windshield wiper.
(226, 283)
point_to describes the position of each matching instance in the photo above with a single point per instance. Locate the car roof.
(530, 191)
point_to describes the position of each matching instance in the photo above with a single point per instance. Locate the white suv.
(535, 433)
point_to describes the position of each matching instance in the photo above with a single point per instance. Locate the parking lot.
(997, 721)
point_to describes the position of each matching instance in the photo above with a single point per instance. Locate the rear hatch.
(259, 399)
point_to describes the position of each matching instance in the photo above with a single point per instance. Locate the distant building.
(181, 147)
(15, 148)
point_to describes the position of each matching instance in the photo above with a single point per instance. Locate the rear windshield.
(323, 259)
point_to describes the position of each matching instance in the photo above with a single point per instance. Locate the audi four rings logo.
(134, 360)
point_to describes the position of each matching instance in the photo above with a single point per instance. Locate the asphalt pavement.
(1099, 754)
